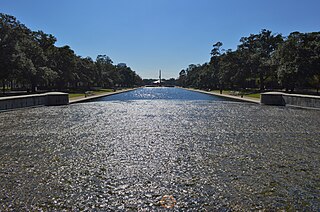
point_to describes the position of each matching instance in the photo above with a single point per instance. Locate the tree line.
(30, 60)
(263, 61)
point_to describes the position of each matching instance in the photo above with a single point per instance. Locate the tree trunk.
(261, 82)
(3, 86)
(292, 88)
(33, 87)
(221, 88)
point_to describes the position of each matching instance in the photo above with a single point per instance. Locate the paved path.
(238, 98)
(88, 98)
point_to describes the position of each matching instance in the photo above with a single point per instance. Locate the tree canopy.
(29, 60)
(262, 61)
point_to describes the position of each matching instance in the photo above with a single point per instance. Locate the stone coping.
(31, 95)
(33, 100)
(291, 100)
(295, 95)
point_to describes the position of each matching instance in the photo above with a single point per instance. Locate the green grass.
(100, 91)
(97, 92)
(254, 95)
(229, 92)
(226, 92)
(74, 95)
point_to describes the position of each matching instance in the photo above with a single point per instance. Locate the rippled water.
(161, 93)
(127, 155)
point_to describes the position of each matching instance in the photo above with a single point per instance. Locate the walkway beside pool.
(89, 98)
(237, 98)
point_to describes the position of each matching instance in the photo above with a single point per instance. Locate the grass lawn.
(254, 95)
(228, 92)
(97, 92)
(74, 95)
(101, 91)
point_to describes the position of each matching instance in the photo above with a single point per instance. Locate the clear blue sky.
(149, 35)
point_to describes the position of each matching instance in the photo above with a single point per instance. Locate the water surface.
(161, 93)
(127, 155)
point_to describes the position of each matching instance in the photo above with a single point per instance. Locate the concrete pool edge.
(298, 101)
(291, 100)
(33, 100)
(242, 99)
(47, 99)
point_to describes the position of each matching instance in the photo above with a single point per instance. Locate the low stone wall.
(302, 100)
(56, 98)
(273, 98)
(46, 99)
(295, 100)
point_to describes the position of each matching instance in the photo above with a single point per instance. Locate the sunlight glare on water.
(158, 93)
(118, 155)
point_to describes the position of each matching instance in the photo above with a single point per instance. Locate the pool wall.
(293, 100)
(46, 99)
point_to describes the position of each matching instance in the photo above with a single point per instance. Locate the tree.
(85, 71)
(46, 43)
(65, 66)
(313, 47)
(214, 65)
(127, 76)
(11, 31)
(182, 80)
(205, 79)
(32, 59)
(298, 59)
(216, 49)
(192, 75)
(104, 67)
(258, 49)
(232, 72)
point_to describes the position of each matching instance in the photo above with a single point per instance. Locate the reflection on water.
(136, 155)
(157, 93)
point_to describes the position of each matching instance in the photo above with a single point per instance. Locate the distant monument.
(158, 82)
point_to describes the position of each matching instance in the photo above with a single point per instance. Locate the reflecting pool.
(198, 155)
(161, 93)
